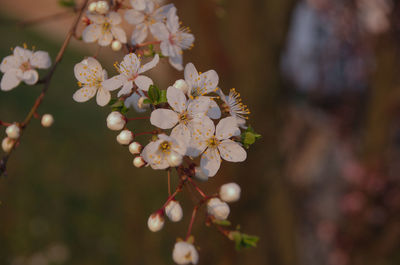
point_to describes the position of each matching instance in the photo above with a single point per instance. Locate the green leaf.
(163, 96)
(154, 94)
(112, 101)
(243, 240)
(67, 3)
(222, 222)
(249, 137)
(118, 105)
(147, 101)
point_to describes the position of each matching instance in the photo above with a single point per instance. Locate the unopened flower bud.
(185, 253)
(135, 148)
(92, 7)
(116, 45)
(199, 174)
(125, 137)
(182, 85)
(116, 121)
(141, 104)
(174, 159)
(229, 192)
(155, 222)
(47, 120)
(139, 162)
(7, 144)
(174, 211)
(13, 131)
(217, 208)
(102, 7)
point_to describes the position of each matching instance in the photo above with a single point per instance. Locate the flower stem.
(194, 213)
(197, 188)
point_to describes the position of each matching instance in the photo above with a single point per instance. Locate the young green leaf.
(154, 94)
(163, 96)
(249, 137)
(222, 222)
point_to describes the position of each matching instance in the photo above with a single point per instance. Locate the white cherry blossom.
(130, 70)
(144, 19)
(104, 29)
(201, 84)
(91, 76)
(159, 152)
(234, 106)
(173, 38)
(133, 101)
(20, 67)
(187, 115)
(214, 143)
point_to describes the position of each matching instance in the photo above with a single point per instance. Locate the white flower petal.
(196, 147)
(10, 79)
(114, 82)
(106, 38)
(119, 34)
(130, 65)
(210, 162)
(176, 62)
(84, 94)
(214, 112)
(226, 128)
(159, 31)
(22, 55)
(182, 132)
(103, 97)
(143, 82)
(134, 17)
(176, 99)
(30, 77)
(96, 18)
(164, 47)
(149, 65)
(126, 89)
(232, 151)
(162, 12)
(139, 34)
(164, 118)
(199, 106)
(138, 4)
(114, 18)
(203, 128)
(8, 63)
(84, 70)
(172, 20)
(209, 81)
(91, 33)
(191, 74)
(41, 60)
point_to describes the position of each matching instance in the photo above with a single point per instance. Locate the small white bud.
(139, 162)
(7, 144)
(116, 45)
(174, 211)
(47, 120)
(217, 208)
(185, 253)
(135, 148)
(13, 131)
(116, 121)
(102, 7)
(199, 174)
(125, 137)
(174, 159)
(229, 192)
(142, 105)
(182, 85)
(155, 222)
(92, 7)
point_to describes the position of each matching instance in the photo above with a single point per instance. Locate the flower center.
(106, 26)
(25, 66)
(165, 147)
(213, 142)
(184, 117)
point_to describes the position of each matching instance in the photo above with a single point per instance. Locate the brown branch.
(46, 81)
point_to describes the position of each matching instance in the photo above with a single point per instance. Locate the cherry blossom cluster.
(195, 124)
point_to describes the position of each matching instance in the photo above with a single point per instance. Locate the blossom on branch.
(21, 67)
(91, 75)
(104, 29)
(174, 38)
(130, 69)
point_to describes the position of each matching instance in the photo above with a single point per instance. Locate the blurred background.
(321, 187)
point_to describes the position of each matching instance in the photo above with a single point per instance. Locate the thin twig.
(46, 80)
